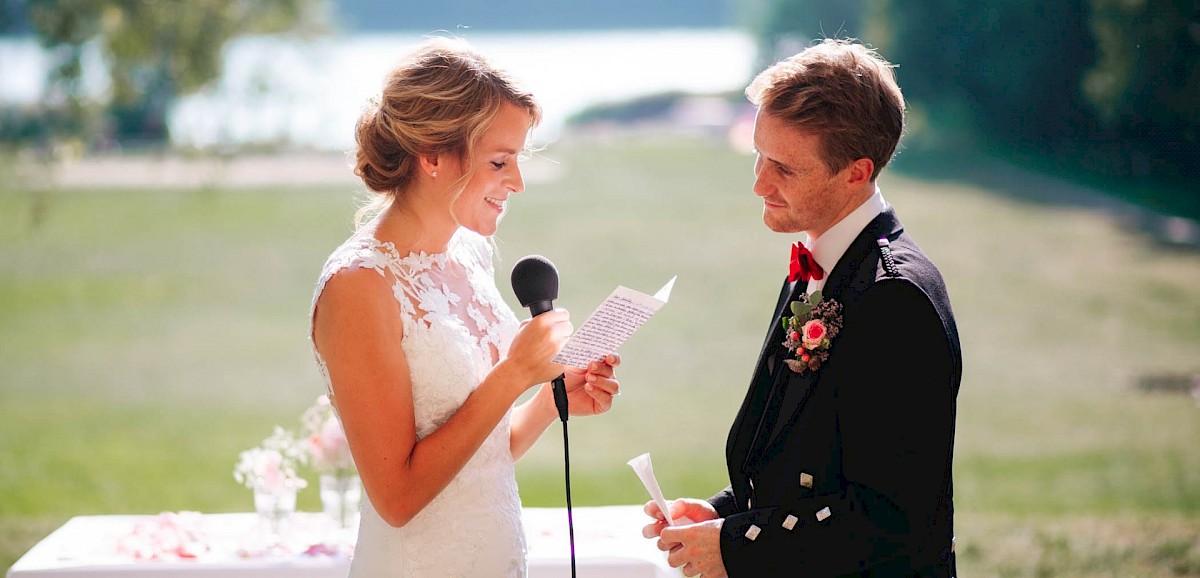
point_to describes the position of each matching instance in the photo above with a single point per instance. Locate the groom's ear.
(859, 172)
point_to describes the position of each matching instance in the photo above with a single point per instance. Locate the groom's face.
(799, 193)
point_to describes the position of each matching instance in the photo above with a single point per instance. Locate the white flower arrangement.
(324, 441)
(272, 466)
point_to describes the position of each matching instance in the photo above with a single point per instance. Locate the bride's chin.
(486, 229)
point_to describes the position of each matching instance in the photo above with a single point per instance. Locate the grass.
(147, 337)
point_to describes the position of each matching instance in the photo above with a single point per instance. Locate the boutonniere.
(810, 331)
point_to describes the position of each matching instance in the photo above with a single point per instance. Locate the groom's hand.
(685, 510)
(695, 548)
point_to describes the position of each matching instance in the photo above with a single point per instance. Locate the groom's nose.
(760, 187)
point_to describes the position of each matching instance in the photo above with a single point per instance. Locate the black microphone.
(535, 283)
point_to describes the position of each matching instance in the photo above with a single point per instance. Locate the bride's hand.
(535, 345)
(590, 391)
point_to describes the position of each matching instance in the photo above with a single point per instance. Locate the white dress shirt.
(828, 249)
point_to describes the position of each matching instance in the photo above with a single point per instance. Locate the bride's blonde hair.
(438, 100)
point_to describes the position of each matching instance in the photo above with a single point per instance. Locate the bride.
(423, 359)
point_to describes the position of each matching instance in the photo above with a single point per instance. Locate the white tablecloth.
(608, 543)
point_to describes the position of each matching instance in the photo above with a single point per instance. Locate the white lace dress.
(473, 527)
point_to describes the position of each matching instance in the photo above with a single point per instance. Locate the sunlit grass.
(147, 337)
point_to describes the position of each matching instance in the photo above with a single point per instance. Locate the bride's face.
(497, 175)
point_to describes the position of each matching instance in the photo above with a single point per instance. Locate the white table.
(608, 543)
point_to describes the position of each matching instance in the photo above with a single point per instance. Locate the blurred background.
(173, 175)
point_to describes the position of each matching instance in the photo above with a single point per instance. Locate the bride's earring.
(433, 174)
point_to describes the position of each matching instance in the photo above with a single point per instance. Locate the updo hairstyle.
(438, 100)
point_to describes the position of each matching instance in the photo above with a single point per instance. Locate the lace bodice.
(456, 326)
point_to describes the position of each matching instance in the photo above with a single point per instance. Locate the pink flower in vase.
(269, 472)
(327, 448)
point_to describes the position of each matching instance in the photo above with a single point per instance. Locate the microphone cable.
(559, 388)
(567, 474)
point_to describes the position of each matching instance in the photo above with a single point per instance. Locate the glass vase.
(341, 495)
(275, 505)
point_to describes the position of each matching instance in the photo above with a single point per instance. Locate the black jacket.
(859, 451)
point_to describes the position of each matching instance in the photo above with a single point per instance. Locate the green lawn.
(148, 337)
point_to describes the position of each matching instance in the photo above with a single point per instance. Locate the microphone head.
(535, 280)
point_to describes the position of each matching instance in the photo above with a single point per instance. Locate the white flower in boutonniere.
(810, 331)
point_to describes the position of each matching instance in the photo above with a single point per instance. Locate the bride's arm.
(357, 331)
(530, 420)
(589, 392)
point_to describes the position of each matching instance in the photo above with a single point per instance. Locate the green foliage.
(154, 52)
(784, 27)
(1016, 64)
(1094, 87)
(1145, 85)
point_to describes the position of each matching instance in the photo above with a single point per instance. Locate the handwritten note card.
(611, 324)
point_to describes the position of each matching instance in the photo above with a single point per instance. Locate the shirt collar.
(830, 246)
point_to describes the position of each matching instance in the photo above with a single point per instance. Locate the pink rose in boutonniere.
(810, 331)
(812, 335)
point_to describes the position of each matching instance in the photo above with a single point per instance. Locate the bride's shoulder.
(353, 306)
(359, 252)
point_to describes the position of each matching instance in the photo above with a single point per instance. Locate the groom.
(840, 457)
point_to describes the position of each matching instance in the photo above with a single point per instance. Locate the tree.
(153, 51)
(1014, 66)
(1095, 89)
(1145, 86)
(784, 27)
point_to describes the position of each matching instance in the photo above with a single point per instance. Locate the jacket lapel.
(797, 388)
(768, 354)
(753, 419)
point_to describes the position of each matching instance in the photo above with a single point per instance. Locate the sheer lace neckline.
(411, 257)
(451, 290)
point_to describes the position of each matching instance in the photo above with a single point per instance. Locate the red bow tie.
(804, 267)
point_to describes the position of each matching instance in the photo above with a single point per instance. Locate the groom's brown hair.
(840, 91)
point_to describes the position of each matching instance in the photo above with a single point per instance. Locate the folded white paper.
(611, 324)
(645, 472)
